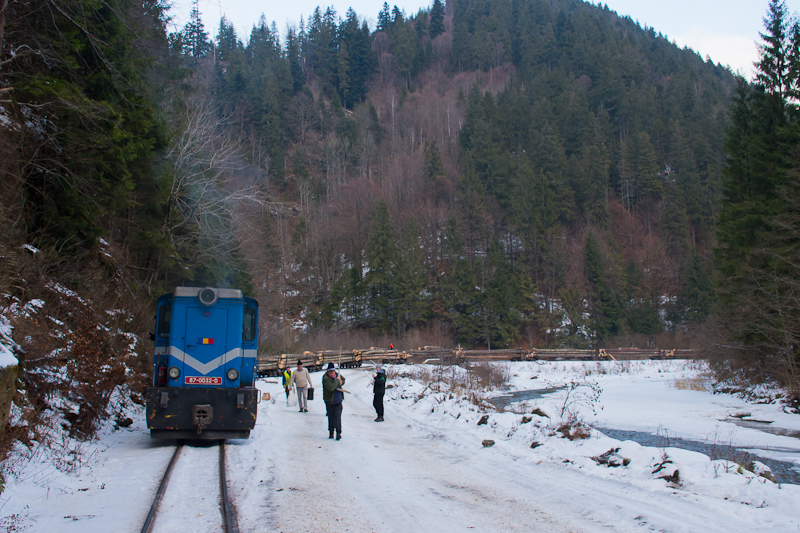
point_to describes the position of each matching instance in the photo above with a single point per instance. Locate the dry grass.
(472, 382)
(696, 384)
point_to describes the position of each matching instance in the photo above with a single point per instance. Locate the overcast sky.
(724, 30)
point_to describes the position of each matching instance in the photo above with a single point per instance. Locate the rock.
(539, 412)
(526, 419)
(484, 420)
(535, 444)
(487, 443)
(124, 422)
(608, 458)
(760, 469)
(626, 461)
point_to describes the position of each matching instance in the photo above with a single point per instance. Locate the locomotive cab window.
(249, 325)
(163, 321)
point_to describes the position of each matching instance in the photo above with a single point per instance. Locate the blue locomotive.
(206, 342)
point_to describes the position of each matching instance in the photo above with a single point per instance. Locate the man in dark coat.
(333, 395)
(378, 388)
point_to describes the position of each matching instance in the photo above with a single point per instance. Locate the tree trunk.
(3, 4)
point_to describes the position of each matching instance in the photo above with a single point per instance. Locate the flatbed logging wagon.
(274, 365)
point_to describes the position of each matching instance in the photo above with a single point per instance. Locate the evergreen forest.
(504, 173)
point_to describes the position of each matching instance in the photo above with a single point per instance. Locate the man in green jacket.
(333, 395)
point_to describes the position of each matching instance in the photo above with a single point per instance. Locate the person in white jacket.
(301, 379)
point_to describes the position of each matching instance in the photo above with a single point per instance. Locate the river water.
(784, 471)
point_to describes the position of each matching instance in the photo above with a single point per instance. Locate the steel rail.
(226, 507)
(148, 523)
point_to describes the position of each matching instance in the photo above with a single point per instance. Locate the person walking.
(378, 388)
(287, 383)
(333, 395)
(301, 380)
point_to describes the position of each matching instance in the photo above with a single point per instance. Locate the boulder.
(487, 443)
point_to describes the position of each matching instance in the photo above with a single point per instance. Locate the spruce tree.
(380, 280)
(195, 35)
(500, 317)
(603, 307)
(436, 27)
(413, 308)
(757, 229)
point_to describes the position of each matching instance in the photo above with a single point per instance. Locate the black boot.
(330, 434)
(338, 434)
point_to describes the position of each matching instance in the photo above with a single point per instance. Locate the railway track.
(184, 508)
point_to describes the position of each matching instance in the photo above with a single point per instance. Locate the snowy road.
(405, 475)
(379, 477)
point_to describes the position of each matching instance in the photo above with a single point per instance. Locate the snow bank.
(6, 343)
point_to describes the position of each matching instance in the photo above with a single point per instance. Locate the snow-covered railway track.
(195, 482)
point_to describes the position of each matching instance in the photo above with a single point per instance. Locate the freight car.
(206, 343)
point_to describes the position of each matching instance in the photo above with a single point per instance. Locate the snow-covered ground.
(6, 357)
(426, 469)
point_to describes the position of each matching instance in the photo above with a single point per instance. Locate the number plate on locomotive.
(202, 380)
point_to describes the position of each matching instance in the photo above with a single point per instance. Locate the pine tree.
(697, 296)
(384, 17)
(757, 230)
(355, 59)
(380, 281)
(433, 172)
(457, 288)
(603, 307)
(413, 308)
(500, 318)
(436, 27)
(293, 56)
(196, 36)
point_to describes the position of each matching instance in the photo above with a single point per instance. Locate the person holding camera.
(333, 395)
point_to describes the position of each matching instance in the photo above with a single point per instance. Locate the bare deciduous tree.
(207, 193)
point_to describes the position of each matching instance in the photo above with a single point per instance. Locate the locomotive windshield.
(249, 324)
(163, 321)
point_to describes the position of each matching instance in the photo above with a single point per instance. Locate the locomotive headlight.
(233, 374)
(174, 372)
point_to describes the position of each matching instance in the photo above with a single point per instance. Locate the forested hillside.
(529, 172)
(492, 173)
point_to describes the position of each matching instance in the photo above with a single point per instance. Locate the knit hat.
(331, 366)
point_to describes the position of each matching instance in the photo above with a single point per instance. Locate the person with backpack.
(378, 389)
(333, 395)
(287, 383)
